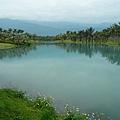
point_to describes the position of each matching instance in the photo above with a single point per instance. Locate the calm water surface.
(83, 76)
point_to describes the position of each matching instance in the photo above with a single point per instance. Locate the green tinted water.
(84, 76)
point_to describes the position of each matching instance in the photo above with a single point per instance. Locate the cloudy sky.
(84, 11)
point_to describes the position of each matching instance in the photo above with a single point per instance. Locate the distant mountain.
(48, 28)
(71, 26)
(30, 27)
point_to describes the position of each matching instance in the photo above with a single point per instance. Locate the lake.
(84, 76)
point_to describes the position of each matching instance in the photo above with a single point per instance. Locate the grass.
(6, 45)
(64, 41)
(110, 43)
(14, 105)
(77, 42)
(32, 42)
(9, 44)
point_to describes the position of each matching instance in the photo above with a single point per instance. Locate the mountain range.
(48, 28)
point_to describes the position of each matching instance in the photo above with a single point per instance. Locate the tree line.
(111, 33)
(17, 36)
(89, 35)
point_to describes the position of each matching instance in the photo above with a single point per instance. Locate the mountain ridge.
(44, 28)
(29, 27)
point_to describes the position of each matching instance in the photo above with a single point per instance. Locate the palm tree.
(64, 36)
(1, 30)
(114, 31)
(4, 34)
(80, 34)
(10, 30)
(19, 38)
(96, 36)
(68, 34)
(20, 31)
(90, 32)
(105, 33)
(86, 33)
(15, 31)
(73, 36)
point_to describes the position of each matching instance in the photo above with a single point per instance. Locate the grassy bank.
(6, 45)
(14, 105)
(111, 43)
(9, 44)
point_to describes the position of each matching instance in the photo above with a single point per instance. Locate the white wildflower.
(66, 105)
(77, 109)
(93, 113)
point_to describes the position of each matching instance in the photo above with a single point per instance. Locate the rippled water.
(84, 76)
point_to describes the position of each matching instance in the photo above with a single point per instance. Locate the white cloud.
(62, 10)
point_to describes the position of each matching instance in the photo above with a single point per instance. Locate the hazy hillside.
(71, 26)
(48, 28)
(30, 27)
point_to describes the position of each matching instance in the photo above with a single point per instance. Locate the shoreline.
(9, 45)
(109, 43)
(6, 46)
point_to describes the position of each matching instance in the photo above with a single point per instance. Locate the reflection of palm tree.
(16, 52)
(110, 53)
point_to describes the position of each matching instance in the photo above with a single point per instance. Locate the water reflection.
(111, 53)
(16, 52)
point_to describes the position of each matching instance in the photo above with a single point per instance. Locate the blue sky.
(83, 11)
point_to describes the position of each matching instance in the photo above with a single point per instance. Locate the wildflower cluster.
(42, 102)
(75, 114)
(97, 116)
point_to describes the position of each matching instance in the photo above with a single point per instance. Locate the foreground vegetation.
(14, 105)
